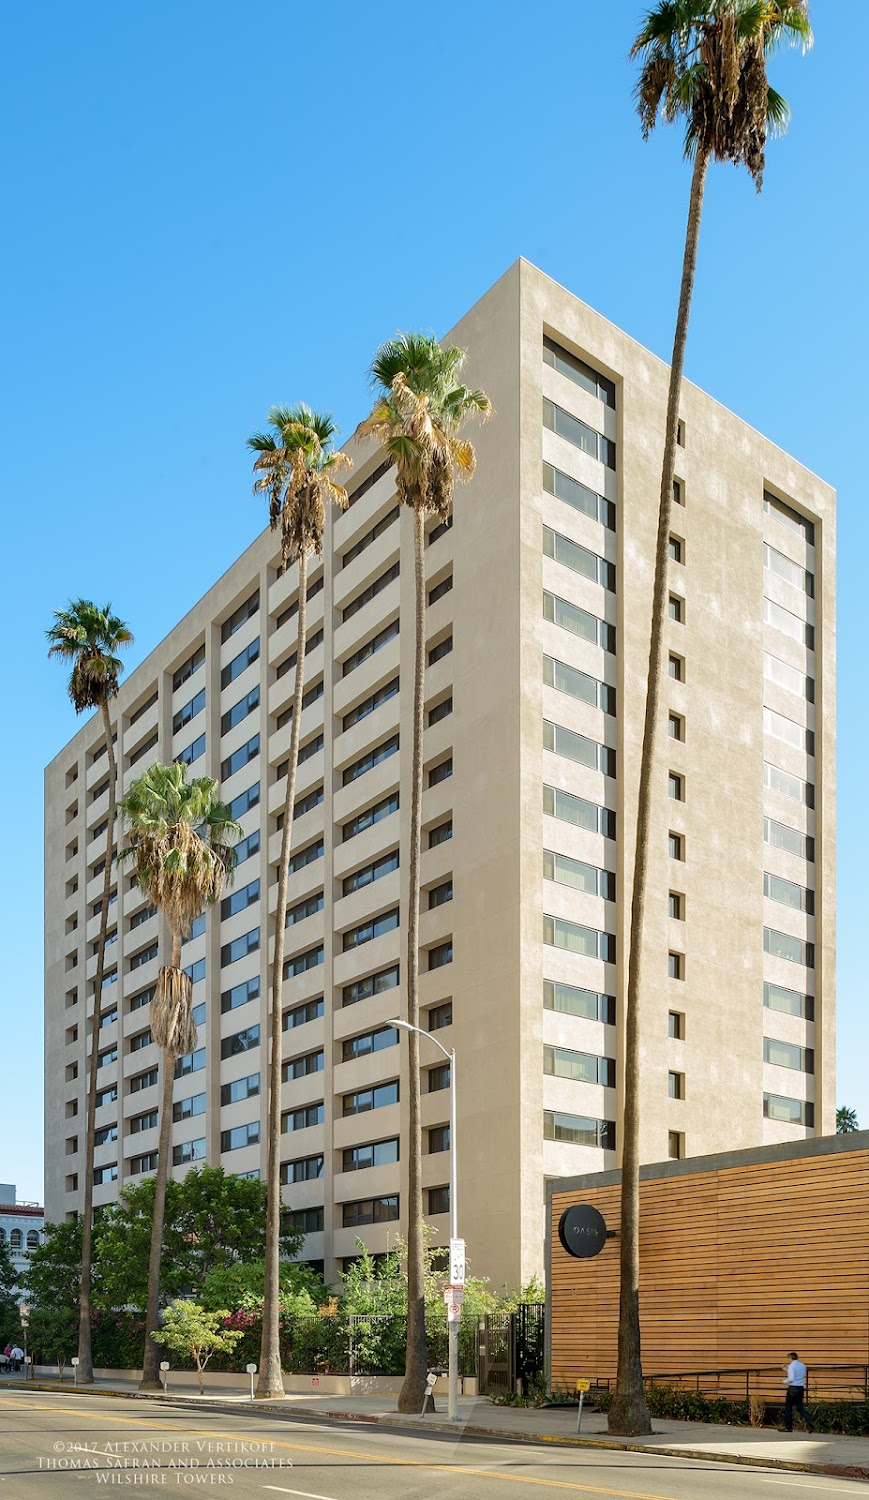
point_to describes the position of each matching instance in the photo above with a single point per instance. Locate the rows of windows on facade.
(577, 627)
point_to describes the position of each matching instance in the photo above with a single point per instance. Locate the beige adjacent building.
(537, 640)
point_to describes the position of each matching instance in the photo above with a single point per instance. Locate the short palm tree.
(420, 406)
(297, 468)
(90, 638)
(846, 1120)
(703, 64)
(179, 842)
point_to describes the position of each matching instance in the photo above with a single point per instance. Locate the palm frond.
(89, 637)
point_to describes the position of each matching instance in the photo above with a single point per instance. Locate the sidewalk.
(764, 1447)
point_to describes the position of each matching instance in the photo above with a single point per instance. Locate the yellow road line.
(373, 1458)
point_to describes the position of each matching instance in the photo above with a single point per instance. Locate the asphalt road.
(62, 1447)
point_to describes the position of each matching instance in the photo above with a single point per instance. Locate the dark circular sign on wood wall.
(582, 1231)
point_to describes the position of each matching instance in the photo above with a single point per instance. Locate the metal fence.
(766, 1382)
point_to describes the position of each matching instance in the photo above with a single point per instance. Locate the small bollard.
(74, 1363)
(164, 1366)
(251, 1370)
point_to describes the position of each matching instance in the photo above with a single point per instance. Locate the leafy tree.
(53, 1275)
(213, 1222)
(241, 1286)
(89, 638)
(51, 1334)
(846, 1120)
(188, 1329)
(296, 467)
(705, 65)
(419, 409)
(180, 838)
(10, 1321)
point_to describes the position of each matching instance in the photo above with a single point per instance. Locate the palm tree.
(296, 466)
(419, 409)
(846, 1120)
(179, 842)
(90, 638)
(704, 64)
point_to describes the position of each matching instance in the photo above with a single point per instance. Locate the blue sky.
(212, 207)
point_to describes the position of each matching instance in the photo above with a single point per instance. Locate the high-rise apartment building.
(537, 644)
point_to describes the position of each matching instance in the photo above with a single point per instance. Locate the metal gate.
(510, 1350)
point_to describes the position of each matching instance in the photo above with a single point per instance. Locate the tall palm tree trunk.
(85, 1359)
(151, 1364)
(413, 1389)
(270, 1381)
(629, 1413)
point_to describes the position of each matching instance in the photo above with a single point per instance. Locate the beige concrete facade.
(550, 556)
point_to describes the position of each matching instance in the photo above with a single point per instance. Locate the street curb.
(402, 1423)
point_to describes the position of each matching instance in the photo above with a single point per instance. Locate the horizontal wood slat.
(737, 1266)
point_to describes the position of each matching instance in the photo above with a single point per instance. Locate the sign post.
(582, 1386)
(251, 1370)
(164, 1366)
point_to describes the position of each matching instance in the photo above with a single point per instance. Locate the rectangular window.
(144, 956)
(783, 567)
(787, 1055)
(439, 895)
(139, 1081)
(571, 1000)
(240, 1136)
(676, 609)
(565, 870)
(370, 759)
(134, 719)
(309, 1220)
(300, 1015)
(141, 1040)
(369, 873)
(676, 965)
(578, 558)
(578, 371)
(567, 679)
(110, 1094)
(440, 955)
(240, 947)
(580, 1067)
(376, 643)
(244, 802)
(676, 906)
(187, 668)
(439, 1016)
(151, 1118)
(370, 816)
(306, 803)
(244, 612)
(438, 1139)
(676, 1085)
(306, 1169)
(440, 834)
(438, 1078)
(192, 751)
(441, 772)
(239, 663)
(372, 984)
(574, 431)
(370, 1211)
(790, 1002)
(103, 1137)
(106, 1174)
(303, 909)
(310, 695)
(788, 893)
(787, 516)
(303, 1067)
(191, 1062)
(782, 945)
(188, 1151)
(579, 497)
(240, 994)
(374, 1098)
(239, 900)
(442, 649)
(369, 704)
(304, 1118)
(573, 938)
(676, 549)
(307, 856)
(240, 1089)
(369, 1042)
(676, 667)
(439, 1200)
(675, 1145)
(676, 786)
(185, 1109)
(676, 727)
(366, 931)
(578, 747)
(312, 641)
(375, 1154)
(246, 848)
(440, 589)
(787, 677)
(240, 1041)
(371, 592)
(579, 1130)
(370, 536)
(579, 621)
(676, 1025)
(440, 711)
(576, 810)
(776, 780)
(788, 1111)
(300, 963)
(239, 758)
(788, 623)
(789, 731)
(189, 711)
(139, 917)
(240, 710)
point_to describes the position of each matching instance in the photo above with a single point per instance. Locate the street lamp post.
(452, 1324)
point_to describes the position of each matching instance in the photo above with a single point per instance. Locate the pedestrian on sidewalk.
(795, 1394)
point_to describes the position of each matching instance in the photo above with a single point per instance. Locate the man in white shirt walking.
(795, 1380)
